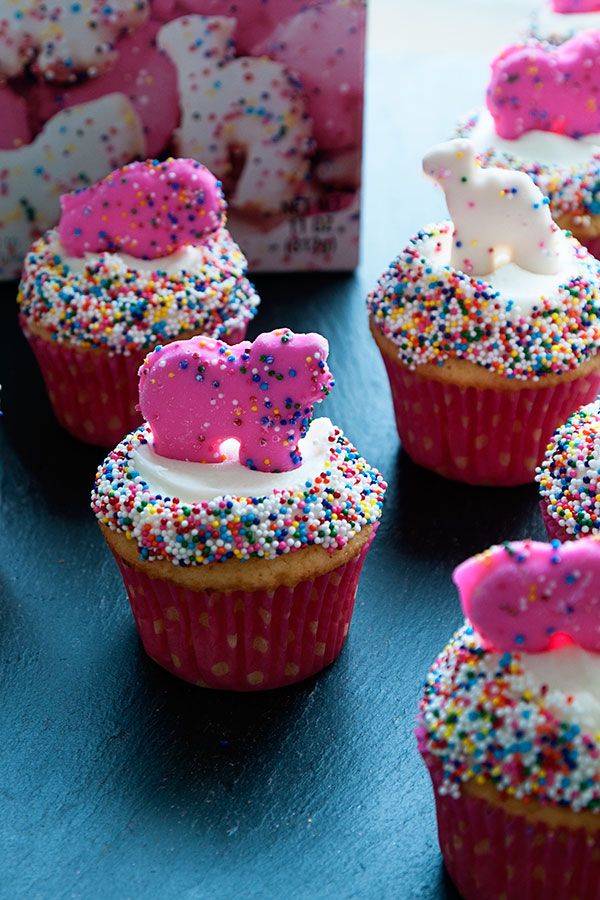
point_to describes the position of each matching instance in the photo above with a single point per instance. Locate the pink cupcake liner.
(481, 436)
(94, 394)
(490, 853)
(244, 640)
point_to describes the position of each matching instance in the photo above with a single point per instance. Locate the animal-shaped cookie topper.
(575, 6)
(197, 393)
(532, 596)
(145, 209)
(538, 87)
(499, 216)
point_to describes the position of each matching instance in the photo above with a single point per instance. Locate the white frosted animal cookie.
(499, 215)
(247, 107)
(62, 39)
(76, 148)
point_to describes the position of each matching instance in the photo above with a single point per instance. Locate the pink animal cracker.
(198, 393)
(499, 215)
(537, 87)
(575, 6)
(146, 209)
(529, 596)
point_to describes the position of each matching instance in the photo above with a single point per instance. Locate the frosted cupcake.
(509, 725)
(569, 477)
(239, 524)
(557, 21)
(488, 326)
(138, 260)
(542, 118)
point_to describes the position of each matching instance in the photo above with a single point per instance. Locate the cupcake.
(239, 524)
(542, 118)
(137, 260)
(509, 725)
(488, 326)
(557, 21)
(569, 477)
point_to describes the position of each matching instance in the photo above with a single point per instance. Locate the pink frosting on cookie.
(575, 6)
(195, 394)
(15, 130)
(530, 596)
(536, 87)
(146, 209)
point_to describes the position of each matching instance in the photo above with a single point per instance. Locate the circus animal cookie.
(559, 20)
(542, 119)
(62, 40)
(244, 106)
(535, 87)
(569, 477)
(195, 394)
(13, 115)
(509, 724)
(140, 259)
(526, 601)
(146, 209)
(75, 148)
(486, 356)
(496, 214)
(238, 578)
(141, 71)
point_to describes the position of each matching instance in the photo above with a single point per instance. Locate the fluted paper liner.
(244, 640)
(481, 436)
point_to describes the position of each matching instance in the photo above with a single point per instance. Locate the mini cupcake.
(509, 725)
(239, 525)
(139, 259)
(569, 477)
(558, 21)
(542, 118)
(488, 326)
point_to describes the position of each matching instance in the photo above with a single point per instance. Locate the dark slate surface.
(118, 780)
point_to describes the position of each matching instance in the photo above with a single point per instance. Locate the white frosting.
(562, 26)
(523, 287)
(499, 215)
(186, 259)
(542, 147)
(568, 672)
(193, 482)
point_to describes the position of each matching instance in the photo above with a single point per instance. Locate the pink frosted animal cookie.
(244, 108)
(146, 209)
(530, 596)
(64, 39)
(195, 394)
(140, 71)
(498, 215)
(536, 87)
(575, 6)
(323, 45)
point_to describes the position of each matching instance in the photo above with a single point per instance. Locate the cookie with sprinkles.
(509, 724)
(239, 523)
(569, 477)
(140, 259)
(541, 118)
(488, 325)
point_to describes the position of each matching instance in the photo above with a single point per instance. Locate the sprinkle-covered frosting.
(117, 302)
(569, 477)
(571, 189)
(327, 509)
(488, 717)
(433, 312)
